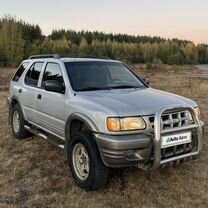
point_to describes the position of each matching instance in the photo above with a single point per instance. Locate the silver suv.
(103, 115)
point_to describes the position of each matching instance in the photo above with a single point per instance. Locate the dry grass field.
(34, 174)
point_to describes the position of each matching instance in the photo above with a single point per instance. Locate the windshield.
(88, 76)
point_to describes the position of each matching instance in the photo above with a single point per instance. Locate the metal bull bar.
(158, 132)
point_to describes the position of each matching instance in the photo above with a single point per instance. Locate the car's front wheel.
(86, 165)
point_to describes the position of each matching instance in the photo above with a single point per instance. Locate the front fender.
(77, 116)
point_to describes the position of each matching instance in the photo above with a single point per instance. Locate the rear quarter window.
(20, 71)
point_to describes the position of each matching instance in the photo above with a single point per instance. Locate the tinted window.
(20, 71)
(52, 72)
(101, 75)
(33, 74)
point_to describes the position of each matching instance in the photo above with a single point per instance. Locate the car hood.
(131, 102)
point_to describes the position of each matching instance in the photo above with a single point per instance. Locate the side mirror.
(54, 86)
(146, 81)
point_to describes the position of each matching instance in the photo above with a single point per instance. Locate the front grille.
(176, 150)
(173, 120)
(180, 149)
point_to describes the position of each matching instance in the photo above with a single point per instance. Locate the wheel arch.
(14, 101)
(77, 117)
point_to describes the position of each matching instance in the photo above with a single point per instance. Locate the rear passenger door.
(51, 105)
(29, 90)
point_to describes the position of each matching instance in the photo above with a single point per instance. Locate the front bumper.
(127, 150)
(122, 151)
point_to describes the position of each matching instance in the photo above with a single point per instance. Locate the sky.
(183, 19)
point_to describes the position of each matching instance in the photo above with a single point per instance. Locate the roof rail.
(98, 57)
(56, 56)
(83, 56)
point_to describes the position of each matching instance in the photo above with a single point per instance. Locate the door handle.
(20, 90)
(39, 96)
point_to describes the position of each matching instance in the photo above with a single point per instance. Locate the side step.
(51, 139)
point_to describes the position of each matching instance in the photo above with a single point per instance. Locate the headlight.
(190, 117)
(198, 113)
(125, 124)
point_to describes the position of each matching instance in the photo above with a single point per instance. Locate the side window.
(32, 75)
(52, 72)
(20, 71)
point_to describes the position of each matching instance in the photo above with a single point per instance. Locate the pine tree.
(11, 41)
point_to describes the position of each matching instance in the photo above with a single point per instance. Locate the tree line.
(19, 40)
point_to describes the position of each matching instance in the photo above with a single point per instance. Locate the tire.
(18, 129)
(96, 174)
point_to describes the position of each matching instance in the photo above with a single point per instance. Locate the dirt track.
(34, 174)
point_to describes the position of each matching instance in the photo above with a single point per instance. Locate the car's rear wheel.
(18, 122)
(86, 166)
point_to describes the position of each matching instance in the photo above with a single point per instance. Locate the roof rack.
(91, 56)
(83, 56)
(56, 56)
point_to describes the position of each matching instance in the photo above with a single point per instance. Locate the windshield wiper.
(108, 88)
(91, 88)
(123, 87)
